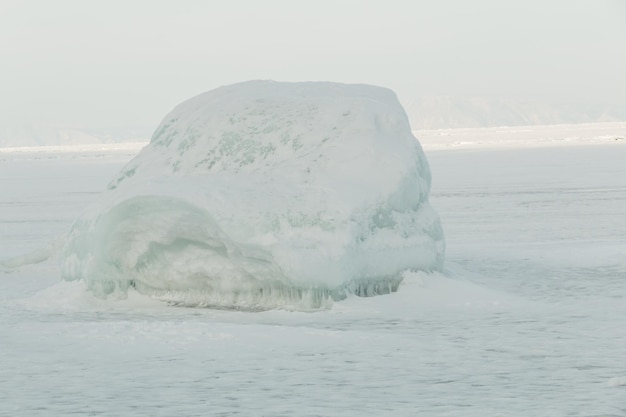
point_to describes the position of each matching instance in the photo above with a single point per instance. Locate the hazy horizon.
(72, 63)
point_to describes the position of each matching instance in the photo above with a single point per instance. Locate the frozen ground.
(529, 321)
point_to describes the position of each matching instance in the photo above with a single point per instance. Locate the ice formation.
(265, 195)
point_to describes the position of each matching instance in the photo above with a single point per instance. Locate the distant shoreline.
(582, 134)
(96, 147)
(506, 137)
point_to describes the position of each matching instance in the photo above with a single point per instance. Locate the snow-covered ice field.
(529, 319)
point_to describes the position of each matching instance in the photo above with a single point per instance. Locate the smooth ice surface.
(265, 194)
(528, 320)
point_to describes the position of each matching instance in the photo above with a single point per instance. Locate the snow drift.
(265, 195)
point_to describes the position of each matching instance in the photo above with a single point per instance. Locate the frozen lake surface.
(529, 319)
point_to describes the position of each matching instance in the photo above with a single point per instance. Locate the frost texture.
(265, 195)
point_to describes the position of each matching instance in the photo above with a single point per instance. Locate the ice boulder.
(265, 195)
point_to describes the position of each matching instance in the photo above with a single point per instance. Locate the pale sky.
(111, 63)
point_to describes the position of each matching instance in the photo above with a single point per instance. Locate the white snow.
(265, 194)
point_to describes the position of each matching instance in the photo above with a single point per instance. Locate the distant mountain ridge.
(39, 135)
(425, 113)
(441, 112)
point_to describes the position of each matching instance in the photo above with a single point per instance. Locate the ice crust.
(265, 195)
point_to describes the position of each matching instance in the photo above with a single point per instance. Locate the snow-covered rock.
(265, 195)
